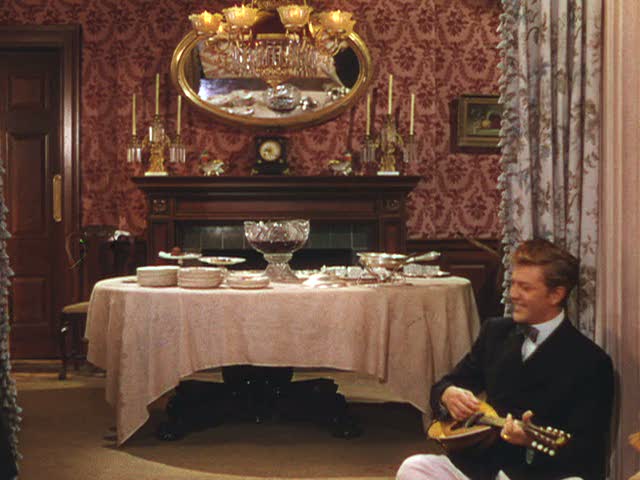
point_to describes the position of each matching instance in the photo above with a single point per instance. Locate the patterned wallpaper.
(436, 48)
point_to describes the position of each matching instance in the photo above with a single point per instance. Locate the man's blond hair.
(560, 268)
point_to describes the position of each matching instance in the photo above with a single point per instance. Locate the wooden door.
(30, 148)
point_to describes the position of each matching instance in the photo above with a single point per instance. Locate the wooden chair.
(72, 318)
(101, 256)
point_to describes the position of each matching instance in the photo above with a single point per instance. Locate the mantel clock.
(270, 156)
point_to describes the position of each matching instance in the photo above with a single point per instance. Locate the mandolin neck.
(493, 421)
(499, 423)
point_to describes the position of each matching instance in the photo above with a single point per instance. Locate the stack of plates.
(200, 277)
(247, 280)
(160, 276)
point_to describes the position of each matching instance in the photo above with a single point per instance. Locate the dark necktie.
(528, 331)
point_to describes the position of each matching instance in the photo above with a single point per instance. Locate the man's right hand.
(460, 402)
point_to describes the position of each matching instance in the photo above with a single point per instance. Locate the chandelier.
(275, 40)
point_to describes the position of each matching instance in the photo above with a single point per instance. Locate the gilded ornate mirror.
(249, 89)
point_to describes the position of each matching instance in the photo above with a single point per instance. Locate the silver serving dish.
(323, 280)
(394, 261)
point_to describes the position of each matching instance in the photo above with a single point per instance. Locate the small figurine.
(343, 165)
(210, 166)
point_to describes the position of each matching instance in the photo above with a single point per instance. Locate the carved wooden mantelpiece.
(377, 201)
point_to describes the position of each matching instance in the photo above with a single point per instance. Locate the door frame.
(66, 40)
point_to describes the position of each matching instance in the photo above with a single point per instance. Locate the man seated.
(553, 373)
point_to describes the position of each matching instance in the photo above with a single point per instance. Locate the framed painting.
(475, 124)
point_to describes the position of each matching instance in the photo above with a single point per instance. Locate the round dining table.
(148, 339)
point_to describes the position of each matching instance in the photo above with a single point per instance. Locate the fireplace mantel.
(379, 201)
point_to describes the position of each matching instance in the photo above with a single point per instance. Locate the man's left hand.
(512, 431)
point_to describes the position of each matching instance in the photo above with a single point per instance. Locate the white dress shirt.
(544, 330)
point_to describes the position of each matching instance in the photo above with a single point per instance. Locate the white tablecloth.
(148, 339)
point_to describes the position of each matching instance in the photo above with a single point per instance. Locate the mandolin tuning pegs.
(540, 447)
(534, 444)
(552, 453)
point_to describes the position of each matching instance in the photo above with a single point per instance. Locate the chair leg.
(64, 330)
(74, 342)
(77, 347)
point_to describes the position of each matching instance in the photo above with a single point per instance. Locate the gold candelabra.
(389, 142)
(156, 141)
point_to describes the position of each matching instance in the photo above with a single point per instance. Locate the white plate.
(157, 276)
(151, 282)
(202, 285)
(248, 281)
(222, 261)
(183, 256)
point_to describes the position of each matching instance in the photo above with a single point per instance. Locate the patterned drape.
(550, 86)
(8, 405)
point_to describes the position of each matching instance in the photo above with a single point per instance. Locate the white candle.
(157, 93)
(368, 128)
(133, 115)
(390, 94)
(412, 114)
(179, 110)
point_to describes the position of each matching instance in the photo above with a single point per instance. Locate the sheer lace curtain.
(618, 285)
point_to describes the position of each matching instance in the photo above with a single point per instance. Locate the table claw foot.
(345, 426)
(169, 431)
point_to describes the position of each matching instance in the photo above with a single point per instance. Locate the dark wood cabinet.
(378, 203)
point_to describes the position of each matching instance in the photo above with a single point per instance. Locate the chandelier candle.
(390, 94)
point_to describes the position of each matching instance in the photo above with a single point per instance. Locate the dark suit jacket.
(567, 382)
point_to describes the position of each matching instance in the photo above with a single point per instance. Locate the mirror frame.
(182, 55)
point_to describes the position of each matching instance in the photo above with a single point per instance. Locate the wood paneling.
(28, 167)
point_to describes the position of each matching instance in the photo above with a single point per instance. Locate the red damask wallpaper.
(438, 49)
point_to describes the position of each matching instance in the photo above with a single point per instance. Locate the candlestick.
(411, 115)
(179, 110)
(390, 94)
(133, 115)
(157, 94)
(368, 127)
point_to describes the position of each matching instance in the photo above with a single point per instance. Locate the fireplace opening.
(335, 243)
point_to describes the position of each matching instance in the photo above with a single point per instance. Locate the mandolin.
(480, 430)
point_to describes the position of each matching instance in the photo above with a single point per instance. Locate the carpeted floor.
(67, 434)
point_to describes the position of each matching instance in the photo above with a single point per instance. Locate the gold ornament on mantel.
(211, 167)
(343, 165)
(156, 140)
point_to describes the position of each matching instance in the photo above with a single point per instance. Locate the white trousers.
(437, 467)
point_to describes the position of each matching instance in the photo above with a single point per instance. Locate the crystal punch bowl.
(277, 240)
